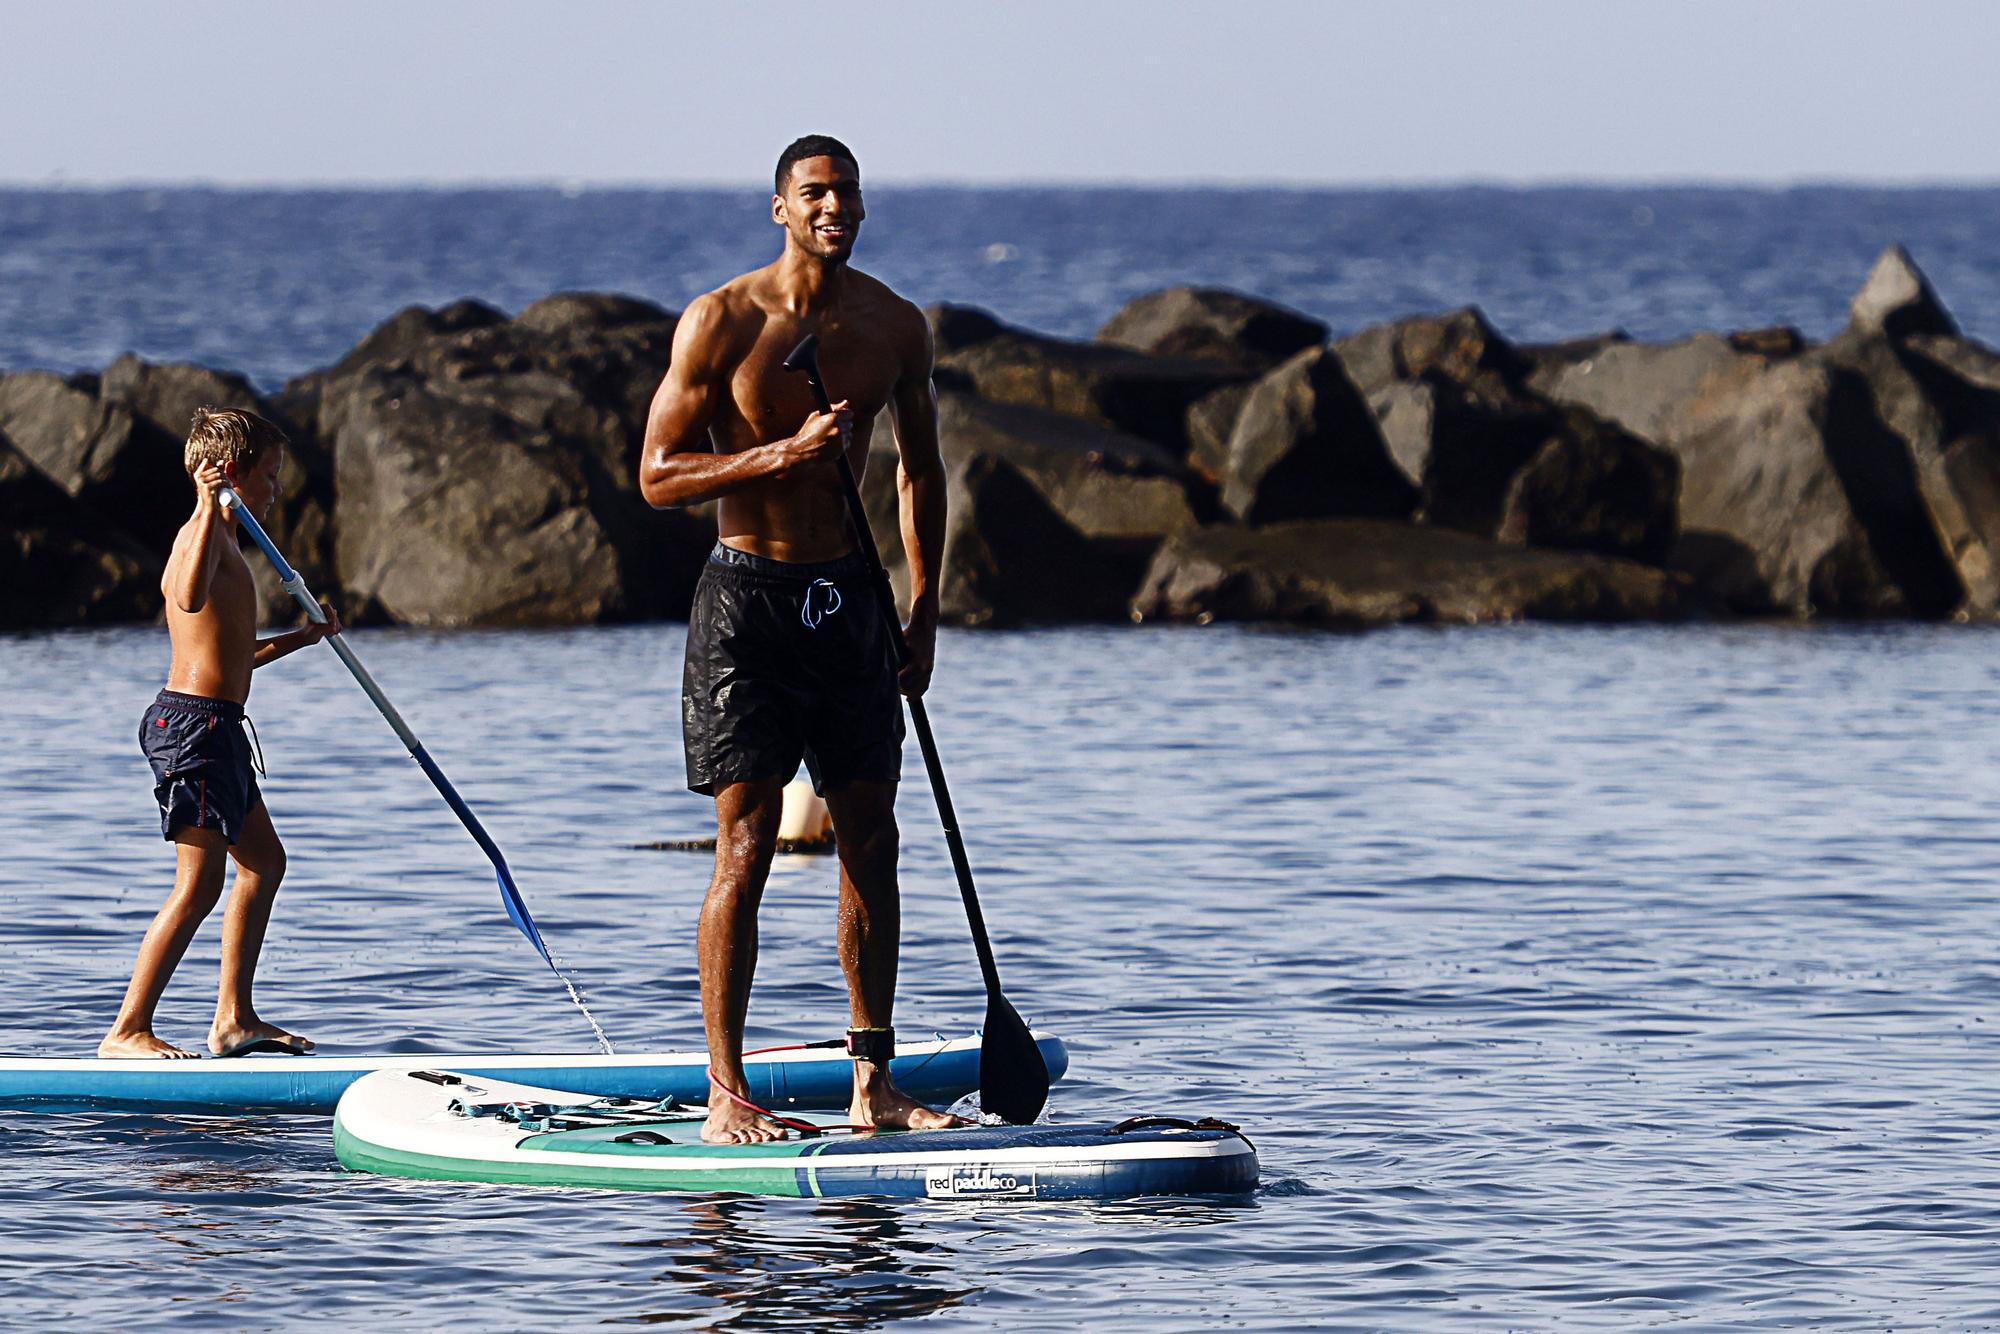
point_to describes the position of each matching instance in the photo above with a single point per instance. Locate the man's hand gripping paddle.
(510, 894)
(1013, 1078)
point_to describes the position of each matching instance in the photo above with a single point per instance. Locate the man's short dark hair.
(812, 145)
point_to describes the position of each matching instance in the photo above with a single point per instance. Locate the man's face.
(258, 485)
(821, 207)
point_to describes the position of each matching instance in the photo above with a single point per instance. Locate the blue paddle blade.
(517, 913)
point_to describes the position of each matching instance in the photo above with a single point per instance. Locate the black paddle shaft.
(1013, 1077)
(805, 357)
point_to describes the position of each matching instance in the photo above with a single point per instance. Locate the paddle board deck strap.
(396, 1125)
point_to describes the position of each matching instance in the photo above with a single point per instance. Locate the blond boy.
(210, 808)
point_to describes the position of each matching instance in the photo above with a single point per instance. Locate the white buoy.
(805, 818)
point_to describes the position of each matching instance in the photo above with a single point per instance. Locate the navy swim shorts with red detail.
(202, 774)
(788, 661)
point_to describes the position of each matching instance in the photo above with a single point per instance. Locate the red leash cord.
(805, 1128)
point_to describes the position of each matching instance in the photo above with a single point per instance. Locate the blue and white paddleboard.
(819, 1077)
(448, 1126)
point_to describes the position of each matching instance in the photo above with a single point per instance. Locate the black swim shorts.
(202, 772)
(788, 661)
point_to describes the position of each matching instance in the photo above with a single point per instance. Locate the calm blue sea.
(273, 283)
(1565, 977)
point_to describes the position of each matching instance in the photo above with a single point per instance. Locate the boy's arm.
(920, 492)
(191, 567)
(277, 646)
(675, 465)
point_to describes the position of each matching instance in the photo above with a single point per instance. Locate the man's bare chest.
(859, 368)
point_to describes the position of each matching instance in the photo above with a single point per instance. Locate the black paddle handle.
(885, 598)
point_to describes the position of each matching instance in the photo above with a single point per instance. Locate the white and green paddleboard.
(451, 1127)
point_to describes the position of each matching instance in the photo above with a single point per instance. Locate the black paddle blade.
(1013, 1077)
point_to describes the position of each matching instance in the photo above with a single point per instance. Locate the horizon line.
(574, 186)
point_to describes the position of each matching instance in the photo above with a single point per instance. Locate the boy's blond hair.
(229, 435)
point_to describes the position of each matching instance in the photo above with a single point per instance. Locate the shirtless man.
(787, 652)
(210, 808)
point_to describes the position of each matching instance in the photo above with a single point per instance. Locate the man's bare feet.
(879, 1103)
(239, 1039)
(141, 1045)
(730, 1122)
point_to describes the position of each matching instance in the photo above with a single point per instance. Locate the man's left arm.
(920, 495)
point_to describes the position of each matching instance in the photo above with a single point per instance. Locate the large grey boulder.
(98, 453)
(1362, 572)
(487, 474)
(1213, 324)
(1049, 518)
(1305, 445)
(453, 513)
(61, 563)
(1113, 387)
(1795, 497)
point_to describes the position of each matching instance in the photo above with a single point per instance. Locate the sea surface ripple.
(1580, 978)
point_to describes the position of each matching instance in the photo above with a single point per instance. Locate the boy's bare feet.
(141, 1045)
(240, 1039)
(879, 1103)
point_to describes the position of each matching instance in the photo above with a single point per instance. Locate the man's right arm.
(675, 465)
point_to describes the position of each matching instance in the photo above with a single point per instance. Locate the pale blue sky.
(600, 91)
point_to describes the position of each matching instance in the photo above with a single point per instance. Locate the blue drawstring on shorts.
(818, 606)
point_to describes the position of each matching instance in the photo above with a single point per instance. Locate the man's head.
(247, 448)
(817, 196)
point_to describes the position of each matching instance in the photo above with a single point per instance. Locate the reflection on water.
(1561, 976)
(843, 1265)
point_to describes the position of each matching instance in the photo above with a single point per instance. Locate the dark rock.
(1361, 572)
(1049, 518)
(1950, 425)
(99, 453)
(1463, 443)
(956, 327)
(1785, 466)
(1210, 423)
(1306, 446)
(1594, 487)
(454, 513)
(572, 311)
(60, 562)
(1110, 386)
(167, 396)
(1778, 341)
(488, 474)
(1458, 345)
(1211, 324)
(1495, 459)
(1897, 301)
(412, 326)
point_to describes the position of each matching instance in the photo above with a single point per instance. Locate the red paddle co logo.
(978, 1179)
